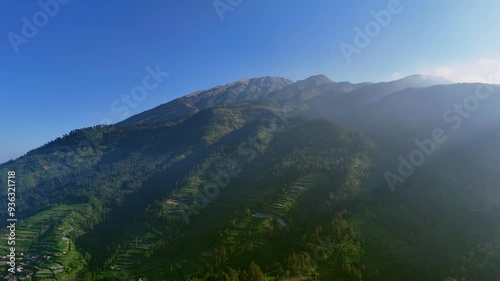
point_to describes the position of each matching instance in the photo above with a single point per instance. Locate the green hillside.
(260, 182)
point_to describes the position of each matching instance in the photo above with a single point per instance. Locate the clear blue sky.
(91, 52)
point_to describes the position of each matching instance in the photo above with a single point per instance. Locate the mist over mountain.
(334, 106)
(270, 178)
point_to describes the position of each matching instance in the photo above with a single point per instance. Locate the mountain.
(314, 86)
(242, 90)
(337, 105)
(458, 109)
(270, 179)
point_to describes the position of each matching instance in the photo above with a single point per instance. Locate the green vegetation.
(45, 243)
(256, 191)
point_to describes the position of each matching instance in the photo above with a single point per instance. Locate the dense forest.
(268, 179)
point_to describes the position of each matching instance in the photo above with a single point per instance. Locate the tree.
(254, 273)
(231, 275)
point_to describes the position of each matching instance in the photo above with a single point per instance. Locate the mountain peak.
(314, 81)
(242, 90)
(426, 78)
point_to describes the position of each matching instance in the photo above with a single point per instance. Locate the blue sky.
(90, 53)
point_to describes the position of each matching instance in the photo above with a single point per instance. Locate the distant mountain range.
(271, 179)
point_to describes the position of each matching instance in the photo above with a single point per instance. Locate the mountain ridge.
(259, 175)
(262, 87)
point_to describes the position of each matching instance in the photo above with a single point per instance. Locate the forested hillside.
(269, 179)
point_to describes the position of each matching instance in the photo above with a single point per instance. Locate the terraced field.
(245, 233)
(44, 243)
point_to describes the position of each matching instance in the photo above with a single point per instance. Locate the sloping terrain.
(269, 179)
